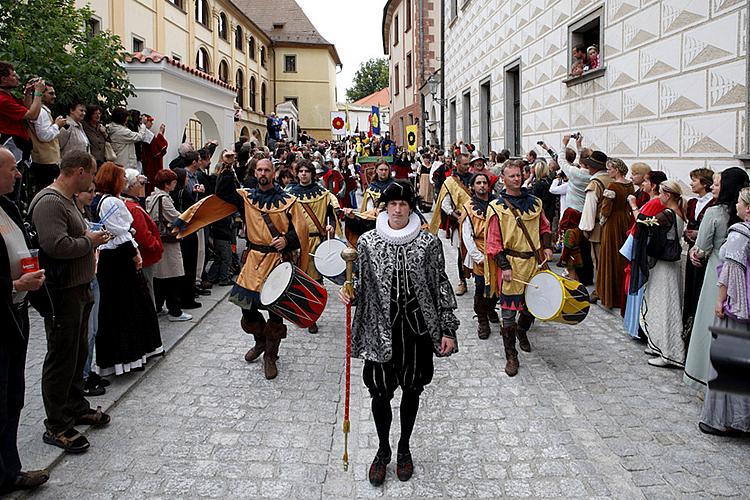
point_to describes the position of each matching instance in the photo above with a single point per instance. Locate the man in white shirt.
(45, 157)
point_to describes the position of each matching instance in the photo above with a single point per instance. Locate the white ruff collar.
(398, 236)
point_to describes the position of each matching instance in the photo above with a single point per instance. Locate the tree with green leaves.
(371, 76)
(51, 39)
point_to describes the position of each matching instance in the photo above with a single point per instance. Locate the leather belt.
(519, 255)
(261, 248)
(314, 235)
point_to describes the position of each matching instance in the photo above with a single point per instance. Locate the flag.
(411, 138)
(338, 122)
(348, 126)
(375, 120)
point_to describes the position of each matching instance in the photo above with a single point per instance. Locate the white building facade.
(671, 89)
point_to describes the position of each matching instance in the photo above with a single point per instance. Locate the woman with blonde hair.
(661, 310)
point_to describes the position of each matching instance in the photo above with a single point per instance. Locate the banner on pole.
(375, 120)
(338, 122)
(411, 138)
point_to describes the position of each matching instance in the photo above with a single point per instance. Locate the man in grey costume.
(405, 314)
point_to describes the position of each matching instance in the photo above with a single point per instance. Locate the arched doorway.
(200, 129)
(245, 132)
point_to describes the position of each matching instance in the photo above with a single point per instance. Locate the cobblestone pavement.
(586, 416)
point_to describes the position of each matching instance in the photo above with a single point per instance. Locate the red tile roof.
(380, 98)
(285, 22)
(150, 55)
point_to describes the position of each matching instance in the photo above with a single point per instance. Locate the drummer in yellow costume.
(452, 197)
(473, 230)
(316, 201)
(511, 259)
(276, 229)
(382, 180)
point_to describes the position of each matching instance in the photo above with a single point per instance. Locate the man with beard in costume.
(377, 186)
(276, 230)
(473, 229)
(452, 197)
(320, 206)
(404, 316)
(512, 257)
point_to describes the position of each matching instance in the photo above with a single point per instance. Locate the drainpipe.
(745, 155)
(421, 72)
(441, 103)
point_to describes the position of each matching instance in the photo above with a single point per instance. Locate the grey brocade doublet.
(377, 257)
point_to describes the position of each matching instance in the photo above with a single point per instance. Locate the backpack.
(664, 242)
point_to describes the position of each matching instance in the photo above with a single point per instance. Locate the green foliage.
(48, 38)
(371, 76)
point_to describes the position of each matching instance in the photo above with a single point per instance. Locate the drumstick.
(526, 283)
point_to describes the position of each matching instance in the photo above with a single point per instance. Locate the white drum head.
(276, 283)
(544, 299)
(328, 259)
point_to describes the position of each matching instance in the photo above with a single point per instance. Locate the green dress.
(711, 236)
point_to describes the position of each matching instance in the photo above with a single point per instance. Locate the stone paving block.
(203, 422)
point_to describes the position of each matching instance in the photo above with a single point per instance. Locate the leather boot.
(461, 288)
(274, 333)
(492, 310)
(511, 354)
(523, 340)
(483, 324)
(256, 329)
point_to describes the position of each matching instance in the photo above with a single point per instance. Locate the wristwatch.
(13, 287)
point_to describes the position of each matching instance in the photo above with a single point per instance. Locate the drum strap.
(312, 216)
(525, 231)
(267, 219)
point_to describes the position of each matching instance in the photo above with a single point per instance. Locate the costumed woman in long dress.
(661, 311)
(128, 328)
(701, 180)
(711, 236)
(614, 217)
(726, 414)
(634, 251)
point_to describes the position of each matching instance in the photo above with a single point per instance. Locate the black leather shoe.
(404, 466)
(378, 470)
(192, 305)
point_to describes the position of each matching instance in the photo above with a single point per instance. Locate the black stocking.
(409, 408)
(381, 413)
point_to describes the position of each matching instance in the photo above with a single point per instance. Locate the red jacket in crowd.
(146, 234)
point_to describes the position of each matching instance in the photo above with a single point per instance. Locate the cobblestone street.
(586, 416)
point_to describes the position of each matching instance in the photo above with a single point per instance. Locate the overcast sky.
(353, 26)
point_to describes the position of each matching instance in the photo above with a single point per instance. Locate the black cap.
(399, 191)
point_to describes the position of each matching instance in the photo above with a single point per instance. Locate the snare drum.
(550, 297)
(293, 295)
(328, 260)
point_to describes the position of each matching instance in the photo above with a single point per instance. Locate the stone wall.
(673, 93)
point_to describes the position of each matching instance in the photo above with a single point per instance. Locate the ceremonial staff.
(349, 255)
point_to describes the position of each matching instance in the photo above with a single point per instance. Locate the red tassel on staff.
(349, 255)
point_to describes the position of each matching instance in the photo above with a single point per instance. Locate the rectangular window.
(407, 23)
(290, 64)
(396, 80)
(194, 131)
(485, 119)
(93, 27)
(513, 107)
(408, 70)
(293, 100)
(453, 117)
(395, 30)
(466, 118)
(585, 34)
(137, 44)
(403, 130)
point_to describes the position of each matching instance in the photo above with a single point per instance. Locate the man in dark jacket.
(14, 316)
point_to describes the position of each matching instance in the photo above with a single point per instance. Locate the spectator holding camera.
(72, 136)
(67, 247)
(45, 155)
